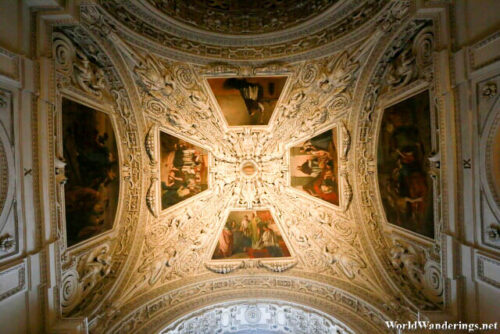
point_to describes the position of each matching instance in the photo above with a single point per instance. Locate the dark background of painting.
(411, 119)
(233, 107)
(92, 187)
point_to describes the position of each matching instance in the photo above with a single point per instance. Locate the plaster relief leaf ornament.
(151, 197)
(88, 271)
(149, 145)
(154, 78)
(7, 242)
(489, 90)
(224, 268)
(3, 99)
(89, 77)
(278, 267)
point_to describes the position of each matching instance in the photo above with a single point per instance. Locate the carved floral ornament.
(343, 246)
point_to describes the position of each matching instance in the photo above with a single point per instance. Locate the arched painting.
(314, 166)
(183, 169)
(250, 234)
(247, 100)
(404, 146)
(92, 186)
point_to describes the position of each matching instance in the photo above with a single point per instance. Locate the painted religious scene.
(403, 168)
(314, 167)
(92, 186)
(184, 169)
(250, 234)
(247, 101)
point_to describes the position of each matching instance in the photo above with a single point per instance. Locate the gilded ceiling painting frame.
(88, 102)
(415, 45)
(343, 145)
(274, 264)
(392, 99)
(81, 73)
(246, 73)
(156, 207)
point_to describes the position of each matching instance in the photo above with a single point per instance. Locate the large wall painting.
(404, 146)
(247, 100)
(184, 170)
(91, 156)
(314, 166)
(250, 234)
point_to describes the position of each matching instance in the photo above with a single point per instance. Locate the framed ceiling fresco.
(91, 157)
(404, 146)
(183, 170)
(247, 100)
(314, 166)
(250, 234)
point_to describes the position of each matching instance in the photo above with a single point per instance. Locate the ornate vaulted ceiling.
(148, 66)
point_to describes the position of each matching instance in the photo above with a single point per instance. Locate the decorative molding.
(278, 267)
(224, 268)
(483, 52)
(152, 314)
(264, 316)
(9, 224)
(13, 280)
(10, 65)
(487, 270)
(224, 17)
(487, 105)
(151, 196)
(141, 28)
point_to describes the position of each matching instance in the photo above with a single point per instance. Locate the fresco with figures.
(314, 166)
(250, 234)
(403, 167)
(92, 186)
(247, 100)
(184, 169)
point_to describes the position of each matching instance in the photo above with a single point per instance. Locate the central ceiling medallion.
(249, 168)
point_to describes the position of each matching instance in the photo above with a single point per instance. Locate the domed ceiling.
(240, 17)
(267, 150)
(305, 35)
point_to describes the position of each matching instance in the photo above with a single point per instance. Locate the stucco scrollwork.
(84, 274)
(416, 267)
(75, 64)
